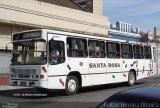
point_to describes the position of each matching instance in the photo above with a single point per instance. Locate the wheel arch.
(78, 75)
(134, 71)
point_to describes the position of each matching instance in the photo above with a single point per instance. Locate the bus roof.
(44, 31)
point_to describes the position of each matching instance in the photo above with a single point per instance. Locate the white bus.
(52, 59)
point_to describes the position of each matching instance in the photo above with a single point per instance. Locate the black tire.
(131, 78)
(72, 85)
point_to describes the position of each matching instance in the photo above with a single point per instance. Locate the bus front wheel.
(131, 78)
(72, 86)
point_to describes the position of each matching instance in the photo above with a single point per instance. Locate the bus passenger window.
(56, 52)
(76, 47)
(138, 52)
(147, 52)
(113, 50)
(126, 51)
(96, 49)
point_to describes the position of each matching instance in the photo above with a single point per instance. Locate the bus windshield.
(32, 52)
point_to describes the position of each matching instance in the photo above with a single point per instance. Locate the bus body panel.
(79, 65)
(96, 69)
(114, 70)
(126, 67)
(56, 82)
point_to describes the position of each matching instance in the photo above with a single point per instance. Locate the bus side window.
(138, 52)
(113, 50)
(96, 49)
(56, 52)
(76, 47)
(147, 52)
(126, 51)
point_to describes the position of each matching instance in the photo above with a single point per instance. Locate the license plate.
(23, 83)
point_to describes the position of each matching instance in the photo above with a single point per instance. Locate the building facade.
(83, 16)
(124, 31)
(154, 38)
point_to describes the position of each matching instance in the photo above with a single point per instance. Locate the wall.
(98, 7)
(154, 39)
(6, 31)
(44, 15)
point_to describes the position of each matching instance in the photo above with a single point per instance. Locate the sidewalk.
(8, 87)
(155, 76)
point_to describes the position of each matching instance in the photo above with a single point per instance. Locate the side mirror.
(7, 46)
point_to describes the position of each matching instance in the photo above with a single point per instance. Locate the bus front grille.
(23, 76)
(25, 73)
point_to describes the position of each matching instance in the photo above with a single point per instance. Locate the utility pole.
(157, 33)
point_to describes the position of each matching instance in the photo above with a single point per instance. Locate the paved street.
(86, 98)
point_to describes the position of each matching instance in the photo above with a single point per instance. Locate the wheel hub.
(72, 85)
(131, 78)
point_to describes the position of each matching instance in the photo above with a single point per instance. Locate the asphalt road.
(86, 98)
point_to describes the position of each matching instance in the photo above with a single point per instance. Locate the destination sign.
(27, 35)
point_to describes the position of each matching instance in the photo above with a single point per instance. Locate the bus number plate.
(23, 83)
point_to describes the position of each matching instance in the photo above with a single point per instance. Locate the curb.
(155, 76)
(11, 88)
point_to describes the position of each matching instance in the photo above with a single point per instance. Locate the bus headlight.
(13, 75)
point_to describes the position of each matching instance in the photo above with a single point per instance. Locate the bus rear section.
(29, 60)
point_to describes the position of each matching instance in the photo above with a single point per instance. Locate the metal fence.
(5, 61)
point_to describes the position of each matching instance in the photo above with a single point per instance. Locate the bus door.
(154, 57)
(56, 61)
(148, 61)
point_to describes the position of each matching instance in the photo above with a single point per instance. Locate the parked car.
(140, 97)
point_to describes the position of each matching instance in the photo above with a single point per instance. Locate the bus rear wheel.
(131, 78)
(72, 85)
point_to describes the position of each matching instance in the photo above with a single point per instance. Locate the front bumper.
(28, 83)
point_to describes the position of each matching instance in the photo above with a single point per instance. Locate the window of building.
(76, 47)
(86, 5)
(113, 50)
(126, 51)
(138, 52)
(96, 49)
(147, 52)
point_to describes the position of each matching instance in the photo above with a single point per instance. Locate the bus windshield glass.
(32, 52)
